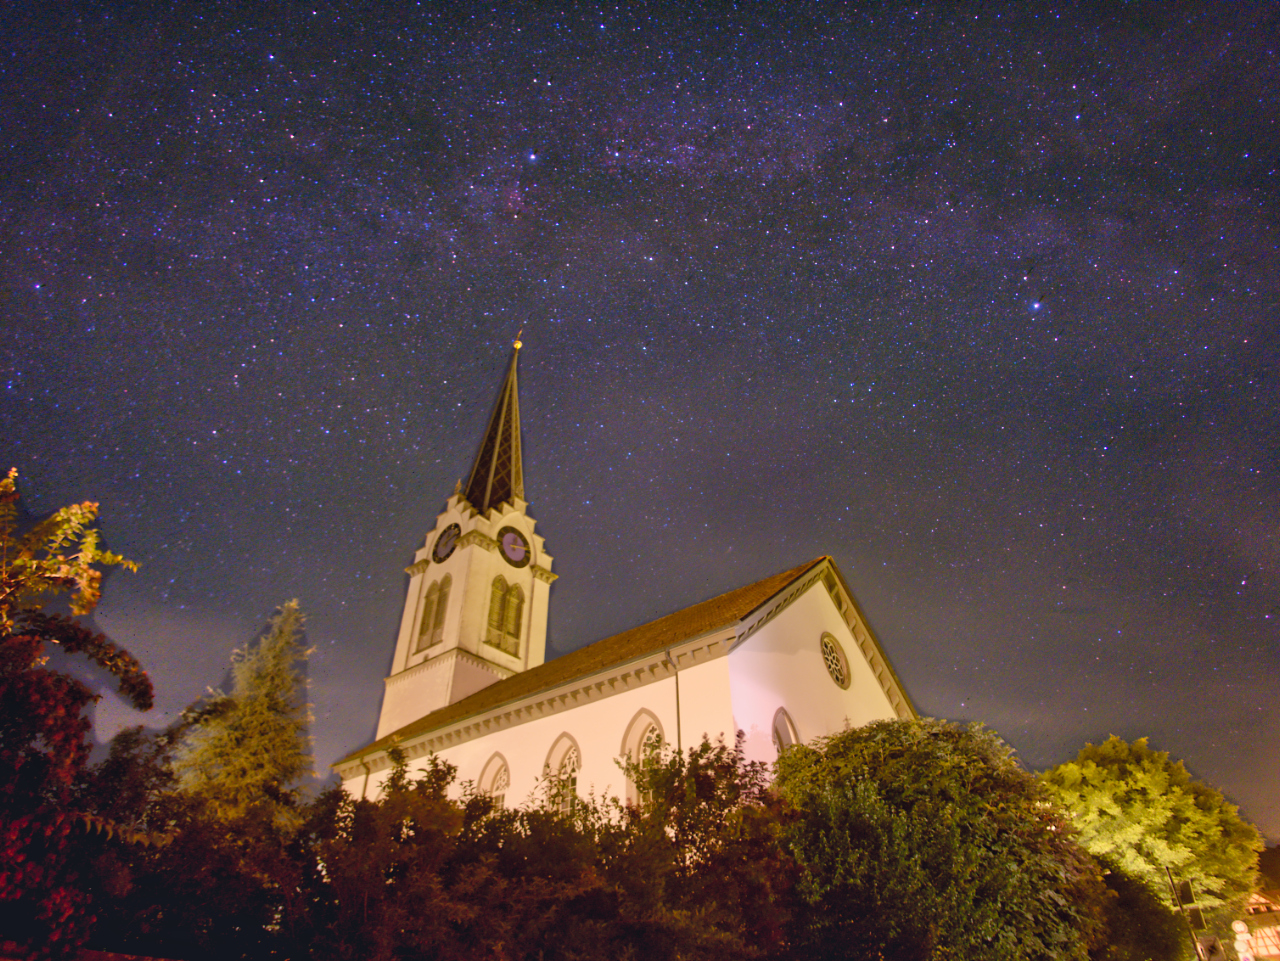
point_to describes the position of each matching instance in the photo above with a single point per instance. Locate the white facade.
(761, 671)
(443, 661)
(786, 659)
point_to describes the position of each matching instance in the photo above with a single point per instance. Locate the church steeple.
(498, 475)
(476, 607)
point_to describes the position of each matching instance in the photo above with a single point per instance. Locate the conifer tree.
(248, 749)
(1145, 812)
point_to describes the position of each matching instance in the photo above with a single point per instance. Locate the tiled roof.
(710, 615)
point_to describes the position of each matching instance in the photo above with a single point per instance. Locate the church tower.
(476, 609)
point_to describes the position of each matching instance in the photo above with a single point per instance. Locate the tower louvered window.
(434, 606)
(506, 613)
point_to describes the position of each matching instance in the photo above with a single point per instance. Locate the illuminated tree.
(925, 840)
(43, 750)
(1145, 812)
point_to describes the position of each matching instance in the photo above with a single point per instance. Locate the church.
(784, 660)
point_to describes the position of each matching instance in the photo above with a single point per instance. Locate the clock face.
(446, 542)
(514, 547)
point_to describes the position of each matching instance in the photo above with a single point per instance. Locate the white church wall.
(705, 705)
(597, 727)
(781, 665)
(405, 691)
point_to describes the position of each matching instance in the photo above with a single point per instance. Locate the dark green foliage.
(697, 873)
(921, 839)
(1269, 869)
(701, 858)
(1140, 925)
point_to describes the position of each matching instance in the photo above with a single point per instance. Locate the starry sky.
(980, 300)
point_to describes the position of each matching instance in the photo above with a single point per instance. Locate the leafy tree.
(1144, 811)
(43, 750)
(693, 874)
(701, 858)
(250, 748)
(1269, 869)
(415, 874)
(923, 840)
(1140, 925)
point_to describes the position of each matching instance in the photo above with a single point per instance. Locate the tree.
(43, 750)
(700, 859)
(1140, 925)
(223, 785)
(1143, 810)
(249, 748)
(923, 839)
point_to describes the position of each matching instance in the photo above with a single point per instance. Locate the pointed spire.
(498, 475)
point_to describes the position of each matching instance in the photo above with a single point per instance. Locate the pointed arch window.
(434, 606)
(495, 780)
(560, 773)
(641, 745)
(506, 614)
(565, 796)
(784, 730)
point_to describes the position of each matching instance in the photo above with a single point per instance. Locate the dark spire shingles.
(498, 475)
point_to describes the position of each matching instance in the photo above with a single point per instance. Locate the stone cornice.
(542, 574)
(475, 537)
(446, 657)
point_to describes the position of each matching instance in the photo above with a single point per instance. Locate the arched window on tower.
(442, 605)
(434, 606)
(506, 613)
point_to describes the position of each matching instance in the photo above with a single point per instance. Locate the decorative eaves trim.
(647, 669)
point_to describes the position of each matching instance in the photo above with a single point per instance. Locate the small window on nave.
(565, 791)
(506, 613)
(495, 780)
(641, 745)
(784, 730)
(560, 775)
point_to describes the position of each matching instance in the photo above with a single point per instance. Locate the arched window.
(514, 613)
(641, 742)
(442, 605)
(434, 606)
(506, 613)
(567, 782)
(561, 773)
(784, 730)
(495, 779)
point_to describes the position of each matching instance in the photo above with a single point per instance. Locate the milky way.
(981, 304)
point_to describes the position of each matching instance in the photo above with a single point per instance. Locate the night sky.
(981, 302)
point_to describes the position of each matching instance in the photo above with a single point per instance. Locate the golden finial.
(516, 343)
